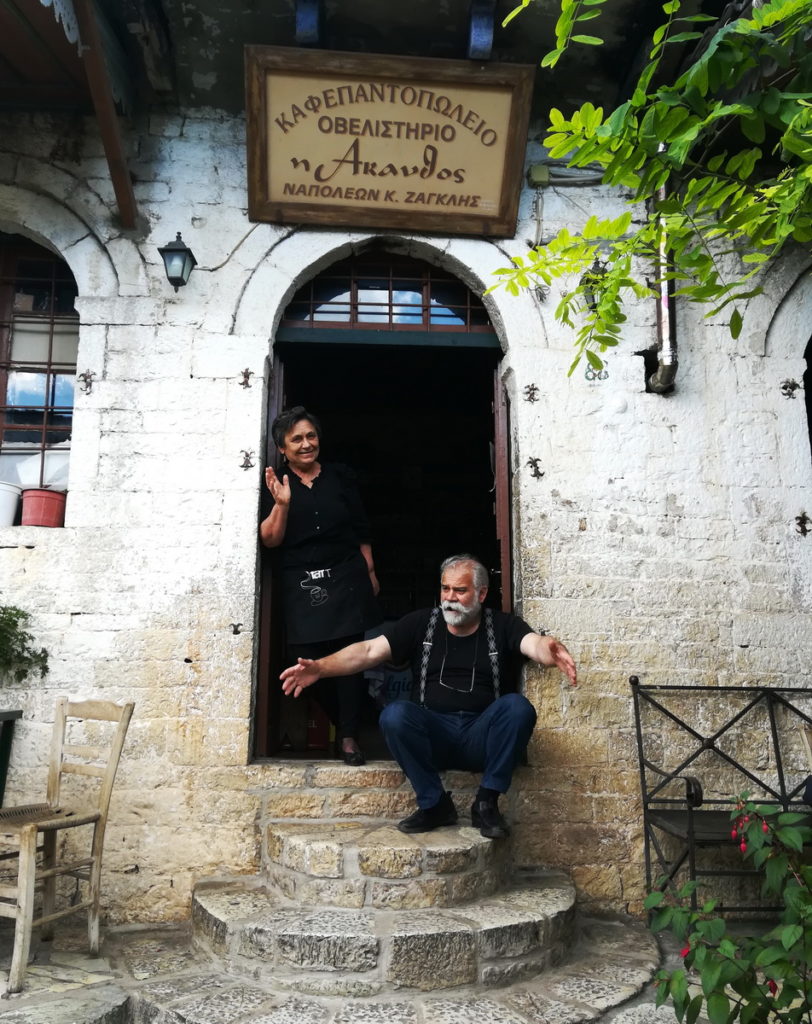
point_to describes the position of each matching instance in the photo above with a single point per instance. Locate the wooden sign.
(375, 141)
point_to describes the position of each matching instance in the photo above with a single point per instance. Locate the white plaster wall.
(660, 540)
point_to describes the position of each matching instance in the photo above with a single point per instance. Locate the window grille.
(390, 294)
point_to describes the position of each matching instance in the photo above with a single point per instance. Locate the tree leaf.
(790, 935)
(718, 1008)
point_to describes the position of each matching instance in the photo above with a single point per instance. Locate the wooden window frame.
(14, 250)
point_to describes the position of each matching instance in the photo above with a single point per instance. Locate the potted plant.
(19, 654)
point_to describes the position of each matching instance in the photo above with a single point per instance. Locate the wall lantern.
(591, 281)
(179, 261)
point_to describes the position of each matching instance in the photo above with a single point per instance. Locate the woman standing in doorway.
(328, 575)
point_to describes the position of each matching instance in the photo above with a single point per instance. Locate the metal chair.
(87, 740)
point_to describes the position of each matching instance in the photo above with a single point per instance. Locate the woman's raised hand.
(279, 491)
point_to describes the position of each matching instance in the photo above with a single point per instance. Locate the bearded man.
(464, 711)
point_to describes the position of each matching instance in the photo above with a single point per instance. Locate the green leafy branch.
(715, 206)
(19, 654)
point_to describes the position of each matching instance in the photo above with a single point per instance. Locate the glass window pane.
(33, 296)
(66, 343)
(373, 313)
(447, 317)
(403, 295)
(337, 312)
(448, 294)
(330, 291)
(8, 467)
(29, 341)
(57, 459)
(58, 431)
(63, 384)
(29, 267)
(407, 315)
(298, 311)
(22, 426)
(371, 287)
(478, 316)
(26, 388)
(65, 298)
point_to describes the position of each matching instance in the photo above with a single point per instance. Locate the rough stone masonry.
(656, 535)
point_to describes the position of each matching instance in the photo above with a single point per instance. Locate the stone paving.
(158, 976)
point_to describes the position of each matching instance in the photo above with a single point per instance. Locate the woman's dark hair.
(287, 420)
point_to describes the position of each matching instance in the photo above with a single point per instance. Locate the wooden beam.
(104, 105)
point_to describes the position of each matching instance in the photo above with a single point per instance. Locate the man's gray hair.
(481, 578)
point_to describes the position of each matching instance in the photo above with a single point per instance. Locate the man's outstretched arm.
(346, 662)
(547, 651)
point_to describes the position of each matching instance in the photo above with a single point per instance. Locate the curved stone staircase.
(352, 921)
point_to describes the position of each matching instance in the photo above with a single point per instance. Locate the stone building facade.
(656, 535)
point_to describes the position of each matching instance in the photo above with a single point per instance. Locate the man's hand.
(562, 658)
(299, 676)
(547, 651)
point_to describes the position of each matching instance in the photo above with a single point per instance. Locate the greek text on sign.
(349, 139)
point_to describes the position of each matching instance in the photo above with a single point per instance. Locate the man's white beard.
(456, 614)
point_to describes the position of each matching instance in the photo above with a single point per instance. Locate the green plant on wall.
(755, 979)
(19, 654)
(715, 157)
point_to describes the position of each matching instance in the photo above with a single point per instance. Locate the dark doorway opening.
(416, 425)
(807, 378)
(400, 364)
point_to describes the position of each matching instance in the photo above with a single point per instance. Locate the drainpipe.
(664, 376)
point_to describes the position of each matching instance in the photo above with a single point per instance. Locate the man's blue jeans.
(424, 742)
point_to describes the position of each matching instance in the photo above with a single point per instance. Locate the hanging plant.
(18, 654)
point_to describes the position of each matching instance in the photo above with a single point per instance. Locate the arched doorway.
(399, 361)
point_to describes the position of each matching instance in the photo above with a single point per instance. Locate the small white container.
(9, 497)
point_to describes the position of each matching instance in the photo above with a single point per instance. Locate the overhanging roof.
(112, 56)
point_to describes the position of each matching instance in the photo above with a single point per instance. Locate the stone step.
(362, 952)
(332, 791)
(611, 964)
(358, 864)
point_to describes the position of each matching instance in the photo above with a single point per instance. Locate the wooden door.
(501, 484)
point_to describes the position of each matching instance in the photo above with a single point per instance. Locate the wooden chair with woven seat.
(101, 727)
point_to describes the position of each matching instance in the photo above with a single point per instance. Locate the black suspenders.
(428, 640)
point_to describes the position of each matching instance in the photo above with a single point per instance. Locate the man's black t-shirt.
(459, 676)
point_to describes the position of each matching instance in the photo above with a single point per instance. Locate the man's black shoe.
(486, 817)
(425, 819)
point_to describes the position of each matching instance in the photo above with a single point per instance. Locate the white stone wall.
(660, 540)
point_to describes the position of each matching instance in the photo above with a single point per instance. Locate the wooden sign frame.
(368, 140)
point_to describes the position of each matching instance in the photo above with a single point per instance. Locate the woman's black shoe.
(354, 758)
(424, 820)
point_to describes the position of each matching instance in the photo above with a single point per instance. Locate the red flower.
(685, 951)
(771, 985)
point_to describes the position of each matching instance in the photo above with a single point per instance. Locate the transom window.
(39, 336)
(390, 294)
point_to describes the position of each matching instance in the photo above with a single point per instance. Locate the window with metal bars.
(377, 291)
(39, 335)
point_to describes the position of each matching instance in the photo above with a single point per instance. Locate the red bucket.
(42, 507)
